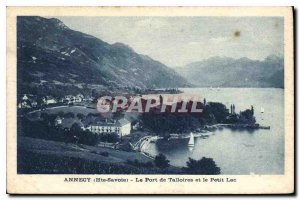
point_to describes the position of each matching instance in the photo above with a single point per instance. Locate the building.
(33, 103)
(58, 120)
(136, 126)
(28, 101)
(78, 98)
(125, 126)
(49, 100)
(72, 99)
(24, 104)
(25, 98)
(68, 99)
(67, 123)
(122, 127)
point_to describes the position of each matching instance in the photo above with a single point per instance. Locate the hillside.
(52, 58)
(229, 72)
(38, 156)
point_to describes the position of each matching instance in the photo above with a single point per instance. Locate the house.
(25, 97)
(122, 127)
(33, 103)
(72, 99)
(28, 101)
(67, 123)
(24, 104)
(136, 126)
(49, 100)
(78, 98)
(58, 120)
(88, 98)
(68, 99)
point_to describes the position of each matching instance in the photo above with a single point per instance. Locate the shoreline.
(143, 143)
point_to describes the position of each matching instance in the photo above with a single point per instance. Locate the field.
(37, 156)
(62, 149)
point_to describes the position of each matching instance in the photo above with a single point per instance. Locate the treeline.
(46, 130)
(213, 113)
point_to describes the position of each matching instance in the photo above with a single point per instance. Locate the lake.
(236, 152)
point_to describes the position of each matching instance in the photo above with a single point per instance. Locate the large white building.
(122, 127)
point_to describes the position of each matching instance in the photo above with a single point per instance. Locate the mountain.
(229, 72)
(53, 58)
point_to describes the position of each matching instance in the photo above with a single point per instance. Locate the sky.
(177, 41)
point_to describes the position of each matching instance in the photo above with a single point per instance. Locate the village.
(75, 111)
(73, 125)
(30, 101)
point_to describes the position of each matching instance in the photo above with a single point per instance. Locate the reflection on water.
(237, 151)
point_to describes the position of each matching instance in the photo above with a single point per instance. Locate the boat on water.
(204, 136)
(262, 110)
(248, 145)
(192, 140)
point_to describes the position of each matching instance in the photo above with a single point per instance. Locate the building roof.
(104, 124)
(123, 122)
(108, 122)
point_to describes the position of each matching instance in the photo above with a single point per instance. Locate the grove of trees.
(205, 166)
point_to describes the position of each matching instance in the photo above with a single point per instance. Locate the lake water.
(236, 152)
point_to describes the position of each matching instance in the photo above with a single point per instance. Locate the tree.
(246, 117)
(206, 166)
(44, 116)
(69, 115)
(60, 113)
(75, 128)
(161, 161)
(215, 112)
(48, 119)
(80, 116)
(119, 114)
(110, 137)
(75, 132)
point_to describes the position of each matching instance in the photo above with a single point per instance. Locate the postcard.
(150, 100)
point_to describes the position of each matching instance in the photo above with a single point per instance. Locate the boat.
(262, 110)
(204, 136)
(192, 140)
(248, 145)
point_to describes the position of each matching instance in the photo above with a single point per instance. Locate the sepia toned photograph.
(185, 97)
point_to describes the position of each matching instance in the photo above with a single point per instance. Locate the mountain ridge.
(52, 56)
(229, 72)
